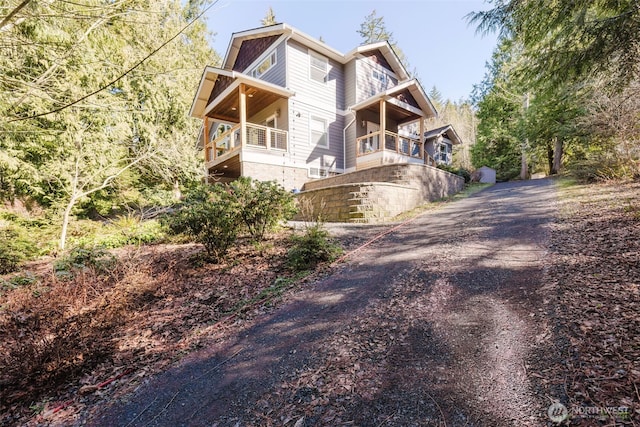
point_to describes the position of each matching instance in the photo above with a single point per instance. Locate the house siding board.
(350, 82)
(318, 100)
(350, 143)
(366, 85)
(277, 73)
(302, 151)
(328, 96)
(251, 50)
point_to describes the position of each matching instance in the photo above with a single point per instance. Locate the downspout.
(344, 142)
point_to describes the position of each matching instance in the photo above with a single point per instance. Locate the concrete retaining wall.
(376, 194)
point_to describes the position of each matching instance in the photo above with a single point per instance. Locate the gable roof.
(447, 130)
(211, 75)
(415, 90)
(286, 30)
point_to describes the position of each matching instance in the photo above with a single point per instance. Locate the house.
(439, 143)
(285, 106)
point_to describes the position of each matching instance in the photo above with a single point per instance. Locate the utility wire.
(64, 107)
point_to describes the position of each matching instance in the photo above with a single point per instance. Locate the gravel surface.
(433, 324)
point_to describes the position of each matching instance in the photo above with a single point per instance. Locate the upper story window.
(319, 135)
(265, 65)
(318, 67)
(380, 76)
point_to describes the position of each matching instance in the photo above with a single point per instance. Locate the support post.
(207, 150)
(383, 124)
(243, 115)
(421, 140)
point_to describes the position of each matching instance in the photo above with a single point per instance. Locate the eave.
(223, 105)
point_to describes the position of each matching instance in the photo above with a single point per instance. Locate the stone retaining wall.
(376, 194)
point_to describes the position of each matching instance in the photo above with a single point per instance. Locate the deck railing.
(258, 136)
(404, 145)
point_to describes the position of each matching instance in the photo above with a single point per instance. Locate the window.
(318, 67)
(319, 136)
(382, 77)
(265, 65)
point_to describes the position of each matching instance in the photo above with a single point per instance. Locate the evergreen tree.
(81, 107)
(269, 18)
(374, 29)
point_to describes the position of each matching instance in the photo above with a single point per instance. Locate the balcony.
(258, 137)
(370, 144)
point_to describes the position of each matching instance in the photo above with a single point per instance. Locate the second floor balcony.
(256, 137)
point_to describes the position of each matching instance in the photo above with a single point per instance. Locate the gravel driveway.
(432, 324)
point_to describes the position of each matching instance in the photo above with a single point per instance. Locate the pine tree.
(269, 18)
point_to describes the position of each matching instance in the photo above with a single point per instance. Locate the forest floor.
(417, 350)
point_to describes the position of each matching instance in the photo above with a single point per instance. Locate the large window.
(319, 136)
(265, 65)
(318, 67)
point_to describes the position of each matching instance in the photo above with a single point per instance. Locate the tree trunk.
(524, 170)
(65, 223)
(557, 157)
(550, 158)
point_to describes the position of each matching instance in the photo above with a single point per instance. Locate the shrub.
(80, 258)
(211, 217)
(311, 248)
(262, 204)
(15, 248)
(601, 167)
(457, 171)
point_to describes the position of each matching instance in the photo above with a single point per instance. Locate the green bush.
(262, 204)
(311, 248)
(124, 230)
(15, 247)
(601, 167)
(211, 217)
(457, 171)
(79, 258)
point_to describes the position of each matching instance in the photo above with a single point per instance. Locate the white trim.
(325, 122)
(273, 117)
(243, 78)
(266, 54)
(313, 54)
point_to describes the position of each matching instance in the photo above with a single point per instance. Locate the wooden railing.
(257, 136)
(404, 145)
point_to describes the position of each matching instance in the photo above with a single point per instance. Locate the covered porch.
(390, 126)
(240, 113)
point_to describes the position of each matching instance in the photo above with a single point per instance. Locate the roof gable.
(447, 130)
(250, 50)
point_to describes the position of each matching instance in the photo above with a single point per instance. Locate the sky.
(441, 47)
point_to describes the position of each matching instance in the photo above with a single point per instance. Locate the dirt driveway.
(433, 324)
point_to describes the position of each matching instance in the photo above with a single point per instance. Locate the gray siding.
(350, 83)
(305, 153)
(322, 100)
(350, 142)
(328, 96)
(277, 74)
(366, 85)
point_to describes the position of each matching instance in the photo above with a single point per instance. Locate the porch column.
(383, 123)
(421, 139)
(207, 153)
(243, 115)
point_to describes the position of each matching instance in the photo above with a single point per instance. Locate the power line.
(70, 104)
